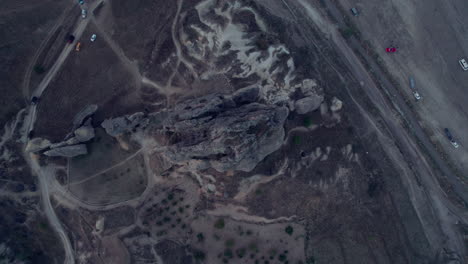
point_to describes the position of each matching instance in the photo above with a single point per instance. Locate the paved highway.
(418, 177)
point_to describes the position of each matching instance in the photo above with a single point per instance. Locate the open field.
(104, 149)
(116, 184)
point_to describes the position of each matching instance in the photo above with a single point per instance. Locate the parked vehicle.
(463, 64)
(70, 39)
(78, 46)
(411, 82)
(412, 86)
(354, 11)
(450, 137)
(83, 13)
(93, 37)
(34, 100)
(81, 2)
(391, 49)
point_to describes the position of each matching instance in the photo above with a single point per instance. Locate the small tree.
(297, 140)
(199, 255)
(240, 252)
(200, 237)
(219, 224)
(289, 230)
(307, 122)
(229, 243)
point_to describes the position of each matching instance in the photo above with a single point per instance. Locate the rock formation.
(37, 144)
(83, 114)
(124, 124)
(217, 133)
(67, 151)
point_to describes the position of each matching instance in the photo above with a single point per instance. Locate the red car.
(391, 49)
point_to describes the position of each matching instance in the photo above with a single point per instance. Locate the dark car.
(34, 100)
(31, 134)
(70, 39)
(448, 134)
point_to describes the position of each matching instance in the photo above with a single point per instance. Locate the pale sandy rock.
(37, 144)
(68, 151)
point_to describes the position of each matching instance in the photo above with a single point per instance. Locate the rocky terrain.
(232, 136)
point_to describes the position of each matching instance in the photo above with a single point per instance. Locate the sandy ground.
(431, 37)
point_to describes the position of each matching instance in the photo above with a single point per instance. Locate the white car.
(454, 144)
(93, 37)
(83, 13)
(416, 95)
(463, 64)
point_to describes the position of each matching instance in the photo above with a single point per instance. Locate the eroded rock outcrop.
(67, 151)
(213, 131)
(308, 104)
(84, 133)
(120, 125)
(83, 114)
(37, 144)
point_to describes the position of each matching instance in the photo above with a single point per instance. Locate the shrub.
(228, 253)
(219, 224)
(200, 255)
(240, 252)
(289, 230)
(229, 243)
(297, 140)
(348, 32)
(282, 257)
(307, 122)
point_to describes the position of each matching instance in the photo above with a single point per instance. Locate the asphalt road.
(432, 37)
(397, 101)
(421, 181)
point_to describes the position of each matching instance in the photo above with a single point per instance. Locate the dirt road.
(44, 181)
(49, 211)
